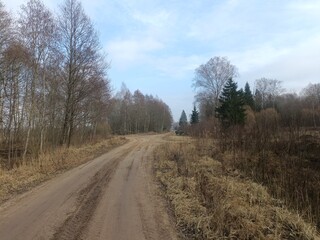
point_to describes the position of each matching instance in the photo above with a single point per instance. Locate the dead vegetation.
(212, 201)
(34, 171)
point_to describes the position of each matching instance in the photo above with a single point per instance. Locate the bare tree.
(15, 71)
(312, 95)
(92, 118)
(79, 44)
(268, 90)
(37, 33)
(210, 79)
(5, 38)
(5, 28)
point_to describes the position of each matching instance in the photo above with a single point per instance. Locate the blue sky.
(156, 45)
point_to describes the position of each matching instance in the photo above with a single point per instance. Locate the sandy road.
(112, 197)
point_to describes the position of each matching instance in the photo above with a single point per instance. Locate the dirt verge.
(27, 176)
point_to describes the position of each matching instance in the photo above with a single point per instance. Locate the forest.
(54, 85)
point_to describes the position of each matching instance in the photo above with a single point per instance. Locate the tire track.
(87, 201)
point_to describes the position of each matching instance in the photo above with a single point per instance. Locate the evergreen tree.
(183, 119)
(231, 111)
(248, 97)
(241, 95)
(194, 116)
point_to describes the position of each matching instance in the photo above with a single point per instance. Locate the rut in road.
(130, 208)
(88, 200)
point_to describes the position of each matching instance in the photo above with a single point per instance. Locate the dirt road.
(112, 197)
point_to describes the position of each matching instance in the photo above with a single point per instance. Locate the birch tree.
(37, 32)
(79, 44)
(268, 90)
(5, 38)
(210, 78)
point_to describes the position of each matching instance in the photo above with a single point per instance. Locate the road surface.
(112, 197)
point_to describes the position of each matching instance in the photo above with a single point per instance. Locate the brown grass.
(47, 165)
(210, 202)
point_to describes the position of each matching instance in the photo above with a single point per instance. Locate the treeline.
(137, 113)
(212, 77)
(270, 135)
(54, 86)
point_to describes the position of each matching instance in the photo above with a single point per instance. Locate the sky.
(155, 45)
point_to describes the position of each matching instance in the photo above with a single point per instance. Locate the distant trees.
(231, 111)
(312, 96)
(140, 116)
(266, 92)
(138, 113)
(209, 81)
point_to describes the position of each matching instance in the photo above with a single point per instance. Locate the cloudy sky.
(155, 45)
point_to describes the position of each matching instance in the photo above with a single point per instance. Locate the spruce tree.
(231, 110)
(194, 116)
(248, 97)
(183, 119)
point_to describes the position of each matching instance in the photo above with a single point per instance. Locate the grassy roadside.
(25, 177)
(210, 202)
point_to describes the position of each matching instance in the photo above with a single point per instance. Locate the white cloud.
(257, 57)
(296, 65)
(127, 52)
(178, 67)
(154, 19)
(300, 66)
(305, 6)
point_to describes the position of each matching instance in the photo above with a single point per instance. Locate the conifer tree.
(183, 119)
(231, 111)
(194, 116)
(248, 97)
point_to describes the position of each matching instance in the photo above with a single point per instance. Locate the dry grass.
(210, 202)
(47, 165)
(174, 138)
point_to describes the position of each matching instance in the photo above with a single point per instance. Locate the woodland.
(54, 85)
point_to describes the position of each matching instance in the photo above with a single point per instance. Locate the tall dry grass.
(285, 159)
(212, 201)
(34, 171)
(276, 150)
